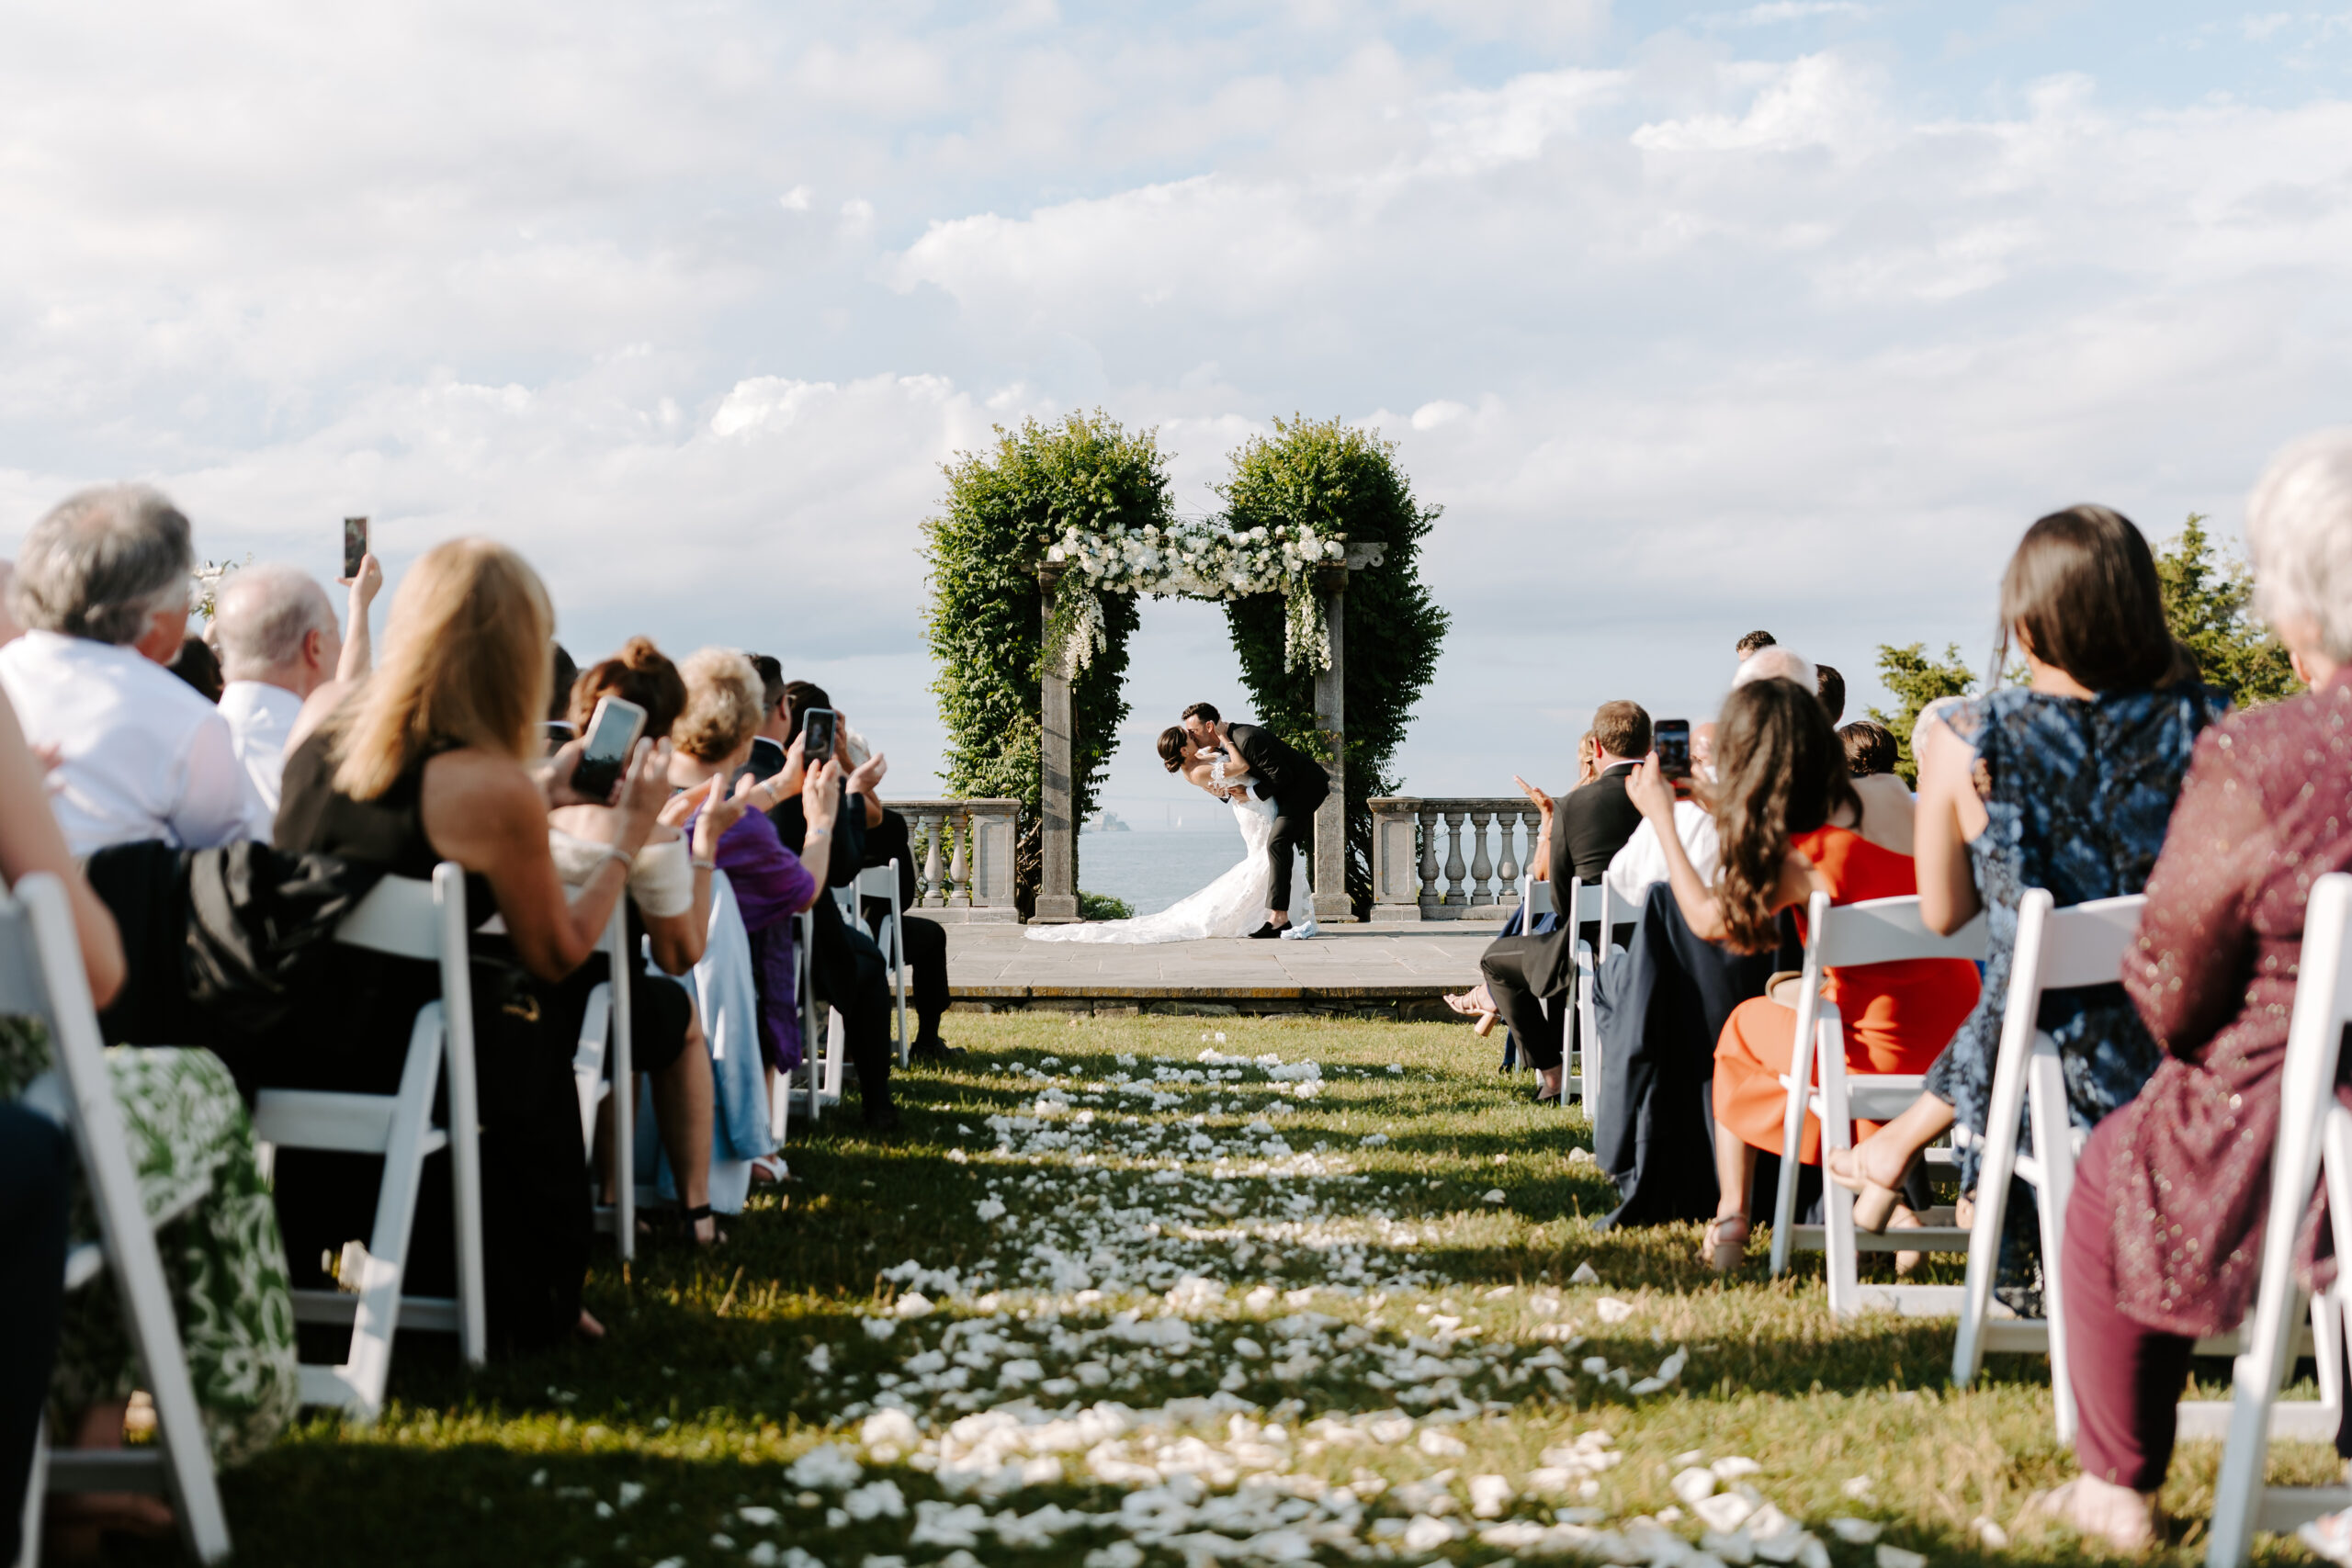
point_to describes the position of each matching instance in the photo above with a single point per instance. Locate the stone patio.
(1400, 971)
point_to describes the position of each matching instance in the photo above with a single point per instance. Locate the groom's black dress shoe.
(1268, 929)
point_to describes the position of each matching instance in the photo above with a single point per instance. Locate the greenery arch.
(1087, 494)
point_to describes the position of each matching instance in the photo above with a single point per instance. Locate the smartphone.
(612, 736)
(817, 736)
(354, 545)
(1671, 739)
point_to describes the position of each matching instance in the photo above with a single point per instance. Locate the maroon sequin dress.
(2266, 810)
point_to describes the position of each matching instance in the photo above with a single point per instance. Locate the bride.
(1232, 904)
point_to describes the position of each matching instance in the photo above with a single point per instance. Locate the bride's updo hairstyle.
(1172, 741)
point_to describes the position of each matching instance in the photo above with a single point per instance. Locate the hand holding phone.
(613, 733)
(354, 545)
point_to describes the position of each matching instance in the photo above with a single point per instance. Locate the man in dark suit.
(1587, 827)
(1293, 781)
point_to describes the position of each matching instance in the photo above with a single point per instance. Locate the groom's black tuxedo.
(1295, 783)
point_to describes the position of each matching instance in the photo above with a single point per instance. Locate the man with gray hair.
(102, 589)
(276, 636)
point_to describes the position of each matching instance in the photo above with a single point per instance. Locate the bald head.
(272, 623)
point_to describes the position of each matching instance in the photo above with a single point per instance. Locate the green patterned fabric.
(222, 1260)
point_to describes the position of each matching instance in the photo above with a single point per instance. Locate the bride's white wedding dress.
(1234, 904)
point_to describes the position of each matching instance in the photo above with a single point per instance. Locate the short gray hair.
(103, 562)
(260, 615)
(2299, 533)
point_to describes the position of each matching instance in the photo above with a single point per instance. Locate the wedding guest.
(1748, 645)
(186, 1127)
(436, 756)
(775, 720)
(1590, 825)
(2067, 783)
(2164, 1227)
(102, 584)
(1790, 826)
(1869, 750)
(279, 643)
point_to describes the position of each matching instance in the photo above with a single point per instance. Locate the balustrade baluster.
(1506, 874)
(933, 896)
(1455, 898)
(1431, 891)
(1482, 867)
(959, 893)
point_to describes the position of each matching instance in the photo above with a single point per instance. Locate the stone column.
(1331, 904)
(1057, 875)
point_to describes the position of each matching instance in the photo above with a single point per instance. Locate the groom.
(1293, 781)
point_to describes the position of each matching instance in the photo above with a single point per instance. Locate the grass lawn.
(1139, 1322)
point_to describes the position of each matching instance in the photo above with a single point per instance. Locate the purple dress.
(771, 887)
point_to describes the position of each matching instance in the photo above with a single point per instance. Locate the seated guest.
(102, 585)
(567, 675)
(222, 1259)
(198, 667)
(669, 912)
(1590, 824)
(1869, 750)
(2165, 1223)
(2067, 783)
(279, 643)
(775, 720)
(436, 756)
(1790, 826)
(882, 837)
(1830, 687)
(1747, 644)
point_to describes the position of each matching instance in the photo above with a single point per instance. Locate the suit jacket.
(1284, 773)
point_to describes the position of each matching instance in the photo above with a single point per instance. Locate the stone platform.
(1384, 971)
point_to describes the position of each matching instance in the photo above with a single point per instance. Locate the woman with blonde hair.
(432, 757)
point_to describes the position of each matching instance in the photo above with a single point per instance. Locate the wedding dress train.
(1234, 904)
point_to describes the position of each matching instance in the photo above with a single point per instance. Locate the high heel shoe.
(1874, 1204)
(1721, 1251)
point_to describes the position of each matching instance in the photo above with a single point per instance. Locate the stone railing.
(1431, 859)
(963, 857)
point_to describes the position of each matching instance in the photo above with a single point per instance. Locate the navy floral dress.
(2079, 793)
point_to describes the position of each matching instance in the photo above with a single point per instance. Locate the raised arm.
(358, 648)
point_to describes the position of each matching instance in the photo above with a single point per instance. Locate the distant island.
(1106, 822)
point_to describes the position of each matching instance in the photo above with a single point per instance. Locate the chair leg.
(377, 1320)
(2003, 1121)
(1838, 1203)
(36, 1493)
(2053, 1154)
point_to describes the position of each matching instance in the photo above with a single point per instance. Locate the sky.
(1692, 319)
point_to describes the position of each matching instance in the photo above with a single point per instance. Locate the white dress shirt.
(141, 754)
(260, 716)
(1642, 861)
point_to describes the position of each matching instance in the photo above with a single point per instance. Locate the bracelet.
(627, 859)
(702, 864)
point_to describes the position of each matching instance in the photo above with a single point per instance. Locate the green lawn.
(1254, 1327)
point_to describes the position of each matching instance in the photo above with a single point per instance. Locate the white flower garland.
(1203, 559)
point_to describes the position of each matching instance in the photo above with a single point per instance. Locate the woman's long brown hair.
(1780, 772)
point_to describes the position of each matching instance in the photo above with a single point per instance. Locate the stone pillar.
(1331, 904)
(1057, 875)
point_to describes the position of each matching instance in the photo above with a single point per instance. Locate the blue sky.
(1693, 318)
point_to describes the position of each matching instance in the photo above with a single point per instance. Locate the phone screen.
(611, 735)
(1672, 736)
(816, 732)
(354, 545)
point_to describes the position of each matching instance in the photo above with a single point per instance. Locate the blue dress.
(2079, 793)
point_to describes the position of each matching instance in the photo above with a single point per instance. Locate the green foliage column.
(1341, 480)
(2208, 603)
(1004, 507)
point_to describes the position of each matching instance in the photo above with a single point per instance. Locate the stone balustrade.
(964, 852)
(1449, 860)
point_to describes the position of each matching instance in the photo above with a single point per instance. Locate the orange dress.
(1898, 1016)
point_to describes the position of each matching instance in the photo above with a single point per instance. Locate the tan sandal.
(1719, 1252)
(1874, 1204)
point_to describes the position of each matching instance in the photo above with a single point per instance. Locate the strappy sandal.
(692, 1217)
(1720, 1253)
(1874, 1204)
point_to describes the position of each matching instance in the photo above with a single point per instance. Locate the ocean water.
(1152, 871)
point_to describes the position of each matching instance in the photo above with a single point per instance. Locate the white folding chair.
(425, 921)
(881, 882)
(41, 977)
(1848, 936)
(1538, 899)
(824, 1040)
(2060, 950)
(1589, 902)
(604, 1031)
(2314, 1143)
